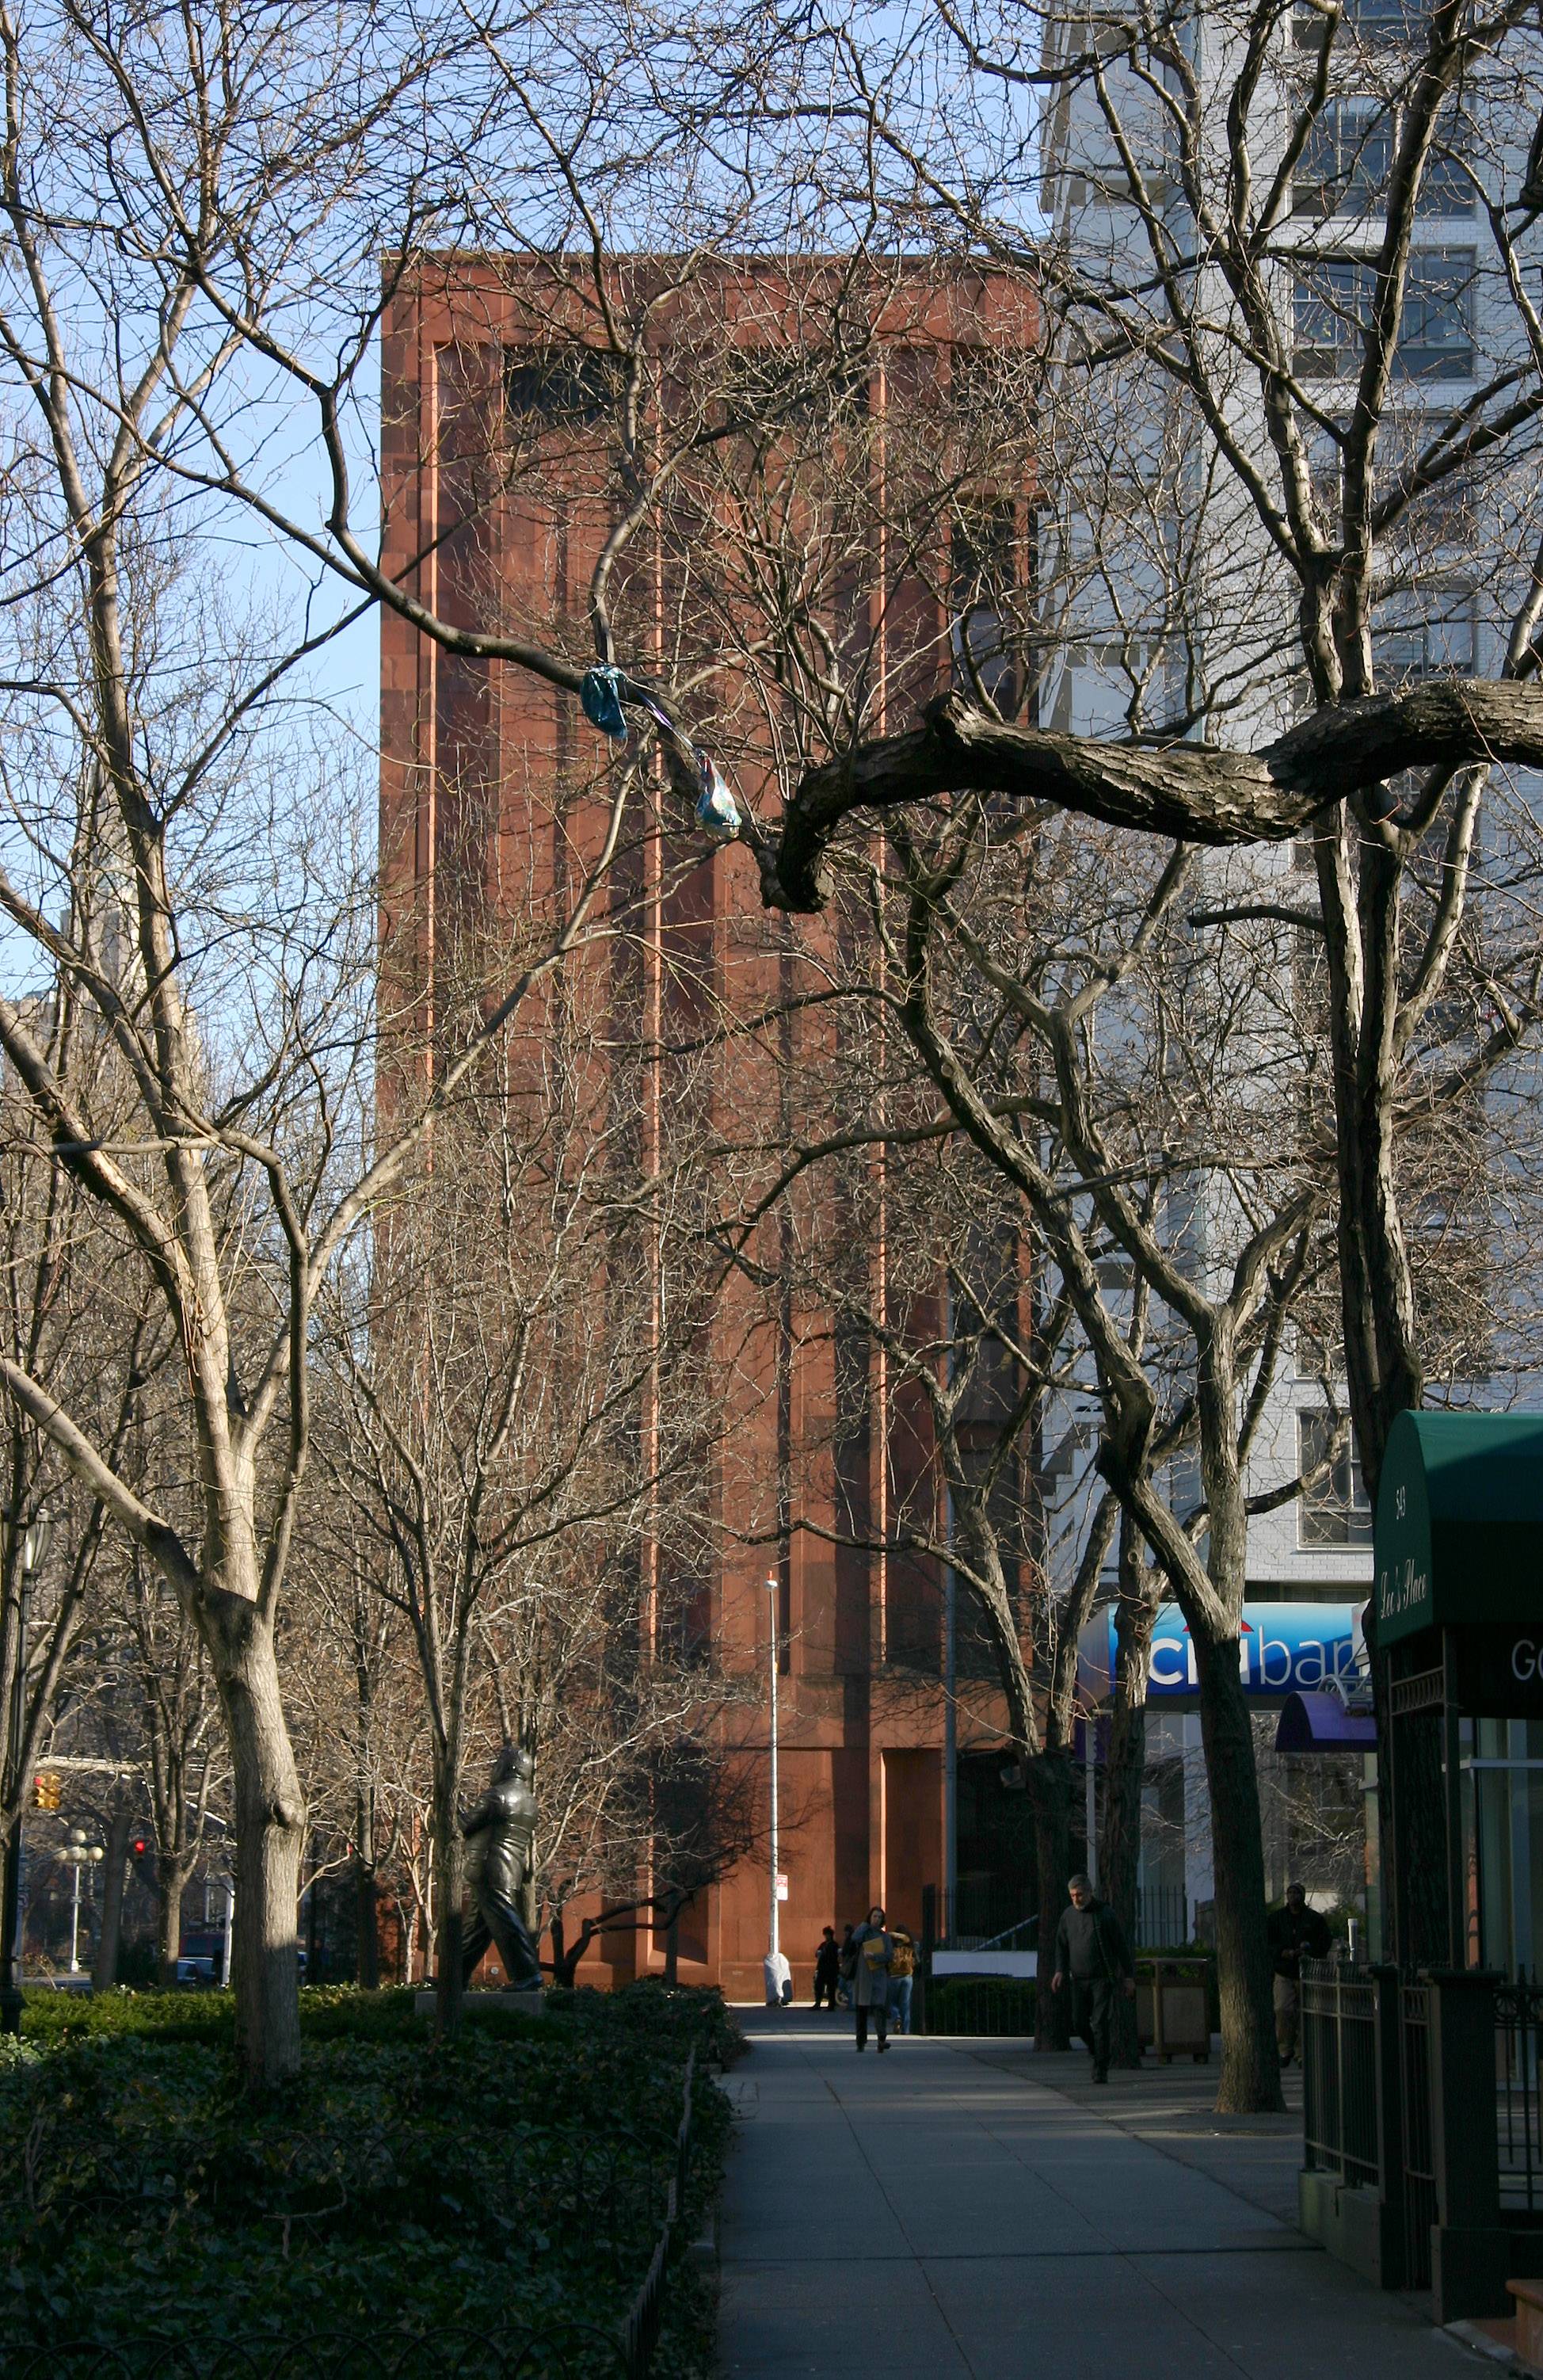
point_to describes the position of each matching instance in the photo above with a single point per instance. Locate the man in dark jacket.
(827, 1967)
(1295, 1932)
(1091, 1959)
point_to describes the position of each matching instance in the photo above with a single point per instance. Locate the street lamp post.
(774, 1928)
(79, 1853)
(34, 1545)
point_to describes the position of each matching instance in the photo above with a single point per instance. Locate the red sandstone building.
(503, 387)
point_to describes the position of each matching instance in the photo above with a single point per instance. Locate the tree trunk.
(1250, 2080)
(366, 1952)
(172, 1874)
(1125, 1771)
(270, 1837)
(104, 1974)
(449, 1846)
(1050, 1783)
(367, 1944)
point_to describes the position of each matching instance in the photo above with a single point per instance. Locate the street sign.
(782, 1887)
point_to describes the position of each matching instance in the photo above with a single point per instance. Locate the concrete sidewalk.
(942, 2210)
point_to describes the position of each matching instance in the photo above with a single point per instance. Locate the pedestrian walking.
(902, 1970)
(1295, 1932)
(870, 1985)
(827, 1969)
(846, 1968)
(1092, 1960)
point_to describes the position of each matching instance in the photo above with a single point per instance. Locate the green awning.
(1458, 1521)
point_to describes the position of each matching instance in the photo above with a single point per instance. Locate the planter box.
(1171, 2017)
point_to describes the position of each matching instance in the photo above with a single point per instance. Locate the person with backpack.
(871, 1988)
(903, 1971)
(1092, 1959)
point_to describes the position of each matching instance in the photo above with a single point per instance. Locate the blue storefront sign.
(1284, 1648)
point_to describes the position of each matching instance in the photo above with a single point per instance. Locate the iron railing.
(1338, 2071)
(641, 2328)
(995, 2007)
(982, 1917)
(1420, 2154)
(1519, 2110)
(1161, 1917)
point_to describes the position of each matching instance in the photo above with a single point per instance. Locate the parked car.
(195, 1972)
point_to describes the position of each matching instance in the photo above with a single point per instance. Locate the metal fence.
(641, 2328)
(995, 2007)
(1161, 1917)
(1338, 2071)
(1519, 2114)
(982, 1917)
(1418, 2133)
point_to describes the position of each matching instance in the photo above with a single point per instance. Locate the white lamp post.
(79, 1853)
(35, 1547)
(773, 1931)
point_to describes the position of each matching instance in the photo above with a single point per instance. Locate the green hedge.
(397, 2182)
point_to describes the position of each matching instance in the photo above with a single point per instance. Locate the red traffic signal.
(140, 1847)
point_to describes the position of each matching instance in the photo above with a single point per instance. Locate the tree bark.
(1048, 1780)
(449, 1865)
(270, 1837)
(173, 1871)
(1250, 2079)
(104, 1973)
(366, 1955)
(367, 1946)
(1183, 791)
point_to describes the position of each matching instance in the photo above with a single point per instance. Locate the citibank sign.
(1284, 1648)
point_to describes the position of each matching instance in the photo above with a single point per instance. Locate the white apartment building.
(1173, 610)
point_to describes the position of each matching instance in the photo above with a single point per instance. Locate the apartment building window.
(1368, 21)
(1333, 301)
(1345, 167)
(1335, 1509)
(986, 636)
(1435, 337)
(1429, 631)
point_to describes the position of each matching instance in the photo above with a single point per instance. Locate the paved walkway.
(940, 2211)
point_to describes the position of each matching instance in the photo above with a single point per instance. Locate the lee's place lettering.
(1404, 1589)
(1284, 1648)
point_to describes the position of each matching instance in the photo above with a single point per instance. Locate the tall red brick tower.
(501, 491)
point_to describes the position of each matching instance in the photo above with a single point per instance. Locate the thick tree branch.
(1186, 790)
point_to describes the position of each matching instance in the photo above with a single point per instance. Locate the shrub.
(397, 2184)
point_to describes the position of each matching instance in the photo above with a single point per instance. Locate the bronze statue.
(499, 1843)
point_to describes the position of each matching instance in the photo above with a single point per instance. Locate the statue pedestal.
(475, 2004)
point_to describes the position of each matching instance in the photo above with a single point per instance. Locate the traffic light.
(46, 1790)
(143, 1850)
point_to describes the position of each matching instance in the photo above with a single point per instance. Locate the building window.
(1333, 303)
(1334, 1510)
(569, 388)
(1425, 632)
(1345, 167)
(986, 633)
